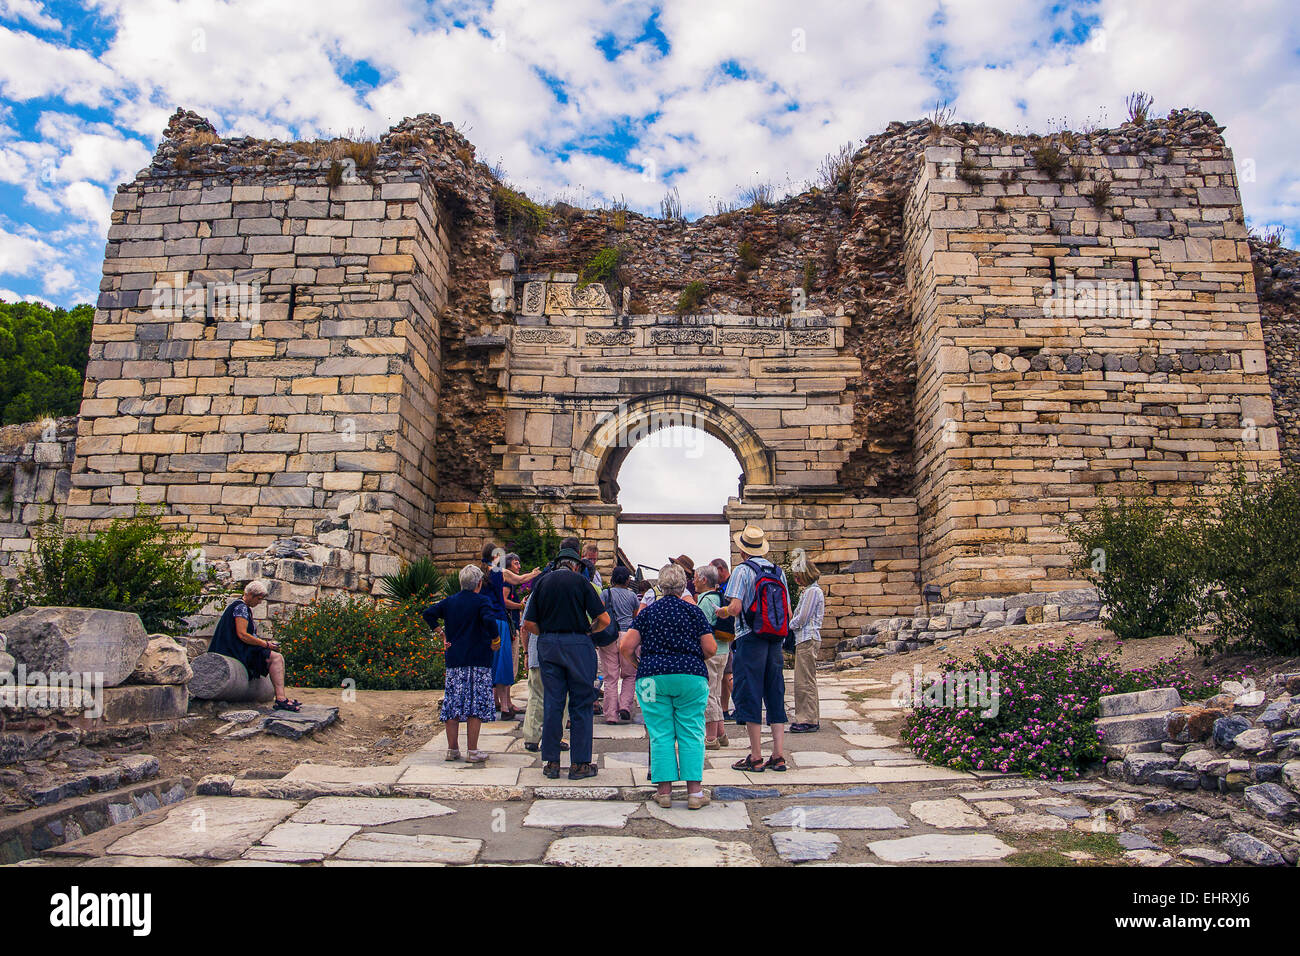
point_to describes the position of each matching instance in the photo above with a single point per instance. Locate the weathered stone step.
(1133, 728)
(131, 769)
(31, 832)
(1164, 700)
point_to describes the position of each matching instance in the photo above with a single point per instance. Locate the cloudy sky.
(589, 100)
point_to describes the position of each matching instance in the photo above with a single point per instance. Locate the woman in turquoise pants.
(672, 685)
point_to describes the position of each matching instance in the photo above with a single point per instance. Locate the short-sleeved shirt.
(564, 602)
(670, 632)
(623, 602)
(741, 585)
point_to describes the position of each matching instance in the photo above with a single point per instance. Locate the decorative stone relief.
(534, 336)
(811, 338)
(749, 337)
(681, 336)
(534, 298)
(612, 337)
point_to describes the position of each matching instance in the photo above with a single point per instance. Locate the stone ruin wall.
(1025, 419)
(377, 422)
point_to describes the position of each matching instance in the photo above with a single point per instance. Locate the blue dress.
(503, 662)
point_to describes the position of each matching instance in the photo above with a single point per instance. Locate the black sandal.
(749, 764)
(287, 704)
(776, 764)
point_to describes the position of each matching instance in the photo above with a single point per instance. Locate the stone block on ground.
(1272, 802)
(76, 640)
(1140, 702)
(164, 661)
(1251, 849)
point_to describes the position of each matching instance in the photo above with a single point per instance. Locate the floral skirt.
(468, 694)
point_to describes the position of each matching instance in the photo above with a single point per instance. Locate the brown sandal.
(776, 764)
(749, 764)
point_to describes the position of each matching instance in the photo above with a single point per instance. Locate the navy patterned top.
(670, 632)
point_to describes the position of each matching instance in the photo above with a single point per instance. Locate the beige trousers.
(806, 706)
(713, 709)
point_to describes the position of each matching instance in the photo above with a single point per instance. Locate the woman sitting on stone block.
(236, 636)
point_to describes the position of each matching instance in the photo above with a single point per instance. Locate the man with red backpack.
(759, 600)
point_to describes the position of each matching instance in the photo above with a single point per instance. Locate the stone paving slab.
(878, 774)
(825, 817)
(635, 851)
(494, 761)
(817, 758)
(480, 775)
(716, 816)
(317, 839)
(327, 773)
(1015, 793)
(941, 848)
(557, 814)
(871, 741)
(216, 828)
(618, 732)
(408, 848)
(800, 846)
(946, 814)
(608, 777)
(367, 812)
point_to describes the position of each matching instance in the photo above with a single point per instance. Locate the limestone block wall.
(35, 476)
(586, 383)
(252, 421)
(866, 547)
(1041, 384)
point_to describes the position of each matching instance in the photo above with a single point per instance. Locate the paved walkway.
(852, 796)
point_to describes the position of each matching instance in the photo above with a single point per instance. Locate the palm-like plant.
(418, 579)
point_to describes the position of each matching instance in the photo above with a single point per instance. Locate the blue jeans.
(568, 669)
(758, 681)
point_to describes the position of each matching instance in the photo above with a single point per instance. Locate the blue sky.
(592, 101)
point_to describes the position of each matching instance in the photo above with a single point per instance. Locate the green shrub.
(748, 257)
(692, 297)
(420, 579)
(1144, 557)
(135, 564)
(382, 645)
(1252, 552)
(530, 535)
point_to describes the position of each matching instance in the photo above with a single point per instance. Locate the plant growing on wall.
(531, 536)
(602, 267)
(1049, 159)
(692, 297)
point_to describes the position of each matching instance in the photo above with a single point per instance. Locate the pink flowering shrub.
(1047, 702)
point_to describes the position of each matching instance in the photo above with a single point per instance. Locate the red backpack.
(768, 614)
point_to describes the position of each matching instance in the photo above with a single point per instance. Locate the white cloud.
(748, 91)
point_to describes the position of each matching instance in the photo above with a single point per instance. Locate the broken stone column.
(217, 677)
(76, 640)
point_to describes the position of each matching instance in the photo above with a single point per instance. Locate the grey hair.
(672, 579)
(709, 574)
(470, 576)
(255, 589)
(510, 557)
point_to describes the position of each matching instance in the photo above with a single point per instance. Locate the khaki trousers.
(806, 705)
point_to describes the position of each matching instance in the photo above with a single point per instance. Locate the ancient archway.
(597, 461)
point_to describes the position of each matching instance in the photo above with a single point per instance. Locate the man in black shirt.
(564, 611)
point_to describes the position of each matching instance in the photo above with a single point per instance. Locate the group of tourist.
(699, 647)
